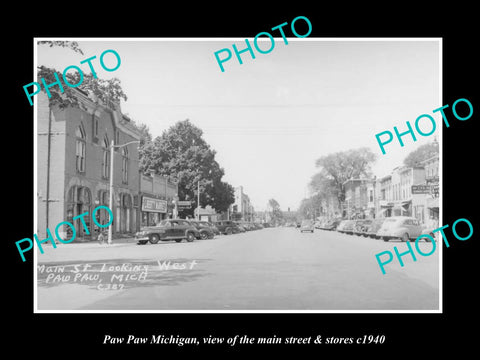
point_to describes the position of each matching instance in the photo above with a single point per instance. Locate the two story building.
(73, 166)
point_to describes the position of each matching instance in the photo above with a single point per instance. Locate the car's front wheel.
(190, 237)
(154, 239)
(405, 237)
(203, 235)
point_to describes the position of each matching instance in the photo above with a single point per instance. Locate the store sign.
(184, 204)
(154, 205)
(421, 189)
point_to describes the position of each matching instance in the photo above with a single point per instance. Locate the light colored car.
(400, 227)
(307, 225)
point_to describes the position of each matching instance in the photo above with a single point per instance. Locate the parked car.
(214, 228)
(349, 227)
(373, 227)
(240, 226)
(258, 226)
(361, 226)
(204, 228)
(400, 227)
(227, 227)
(331, 224)
(341, 225)
(307, 225)
(345, 226)
(165, 230)
(250, 226)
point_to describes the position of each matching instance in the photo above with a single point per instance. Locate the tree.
(276, 214)
(422, 153)
(109, 92)
(144, 130)
(182, 155)
(68, 44)
(310, 207)
(341, 166)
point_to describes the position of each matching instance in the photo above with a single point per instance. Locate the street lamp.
(110, 200)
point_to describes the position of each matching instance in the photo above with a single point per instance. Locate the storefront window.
(79, 202)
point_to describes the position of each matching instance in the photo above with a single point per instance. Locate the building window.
(95, 126)
(117, 137)
(105, 158)
(125, 165)
(80, 148)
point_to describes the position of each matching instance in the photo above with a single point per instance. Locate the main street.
(268, 269)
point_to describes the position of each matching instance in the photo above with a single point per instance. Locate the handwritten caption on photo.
(108, 276)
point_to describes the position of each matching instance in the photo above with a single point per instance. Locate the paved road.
(269, 269)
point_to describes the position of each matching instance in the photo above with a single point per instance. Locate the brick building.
(157, 194)
(359, 198)
(73, 167)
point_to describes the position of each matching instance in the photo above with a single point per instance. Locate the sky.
(272, 117)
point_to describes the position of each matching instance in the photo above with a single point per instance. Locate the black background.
(406, 334)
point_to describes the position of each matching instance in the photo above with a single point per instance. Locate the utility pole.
(198, 201)
(110, 193)
(110, 200)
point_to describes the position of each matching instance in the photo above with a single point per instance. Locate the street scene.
(277, 268)
(167, 185)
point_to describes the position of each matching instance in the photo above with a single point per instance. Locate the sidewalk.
(93, 243)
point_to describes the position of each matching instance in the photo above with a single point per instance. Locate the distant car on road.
(169, 229)
(400, 227)
(227, 227)
(307, 225)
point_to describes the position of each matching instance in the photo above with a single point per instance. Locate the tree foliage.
(67, 44)
(276, 214)
(108, 92)
(309, 207)
(422, 153)
(339, 167)
(182, 155)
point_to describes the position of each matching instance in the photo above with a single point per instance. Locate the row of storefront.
(407, 191)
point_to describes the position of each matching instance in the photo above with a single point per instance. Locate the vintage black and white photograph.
(237, 175)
